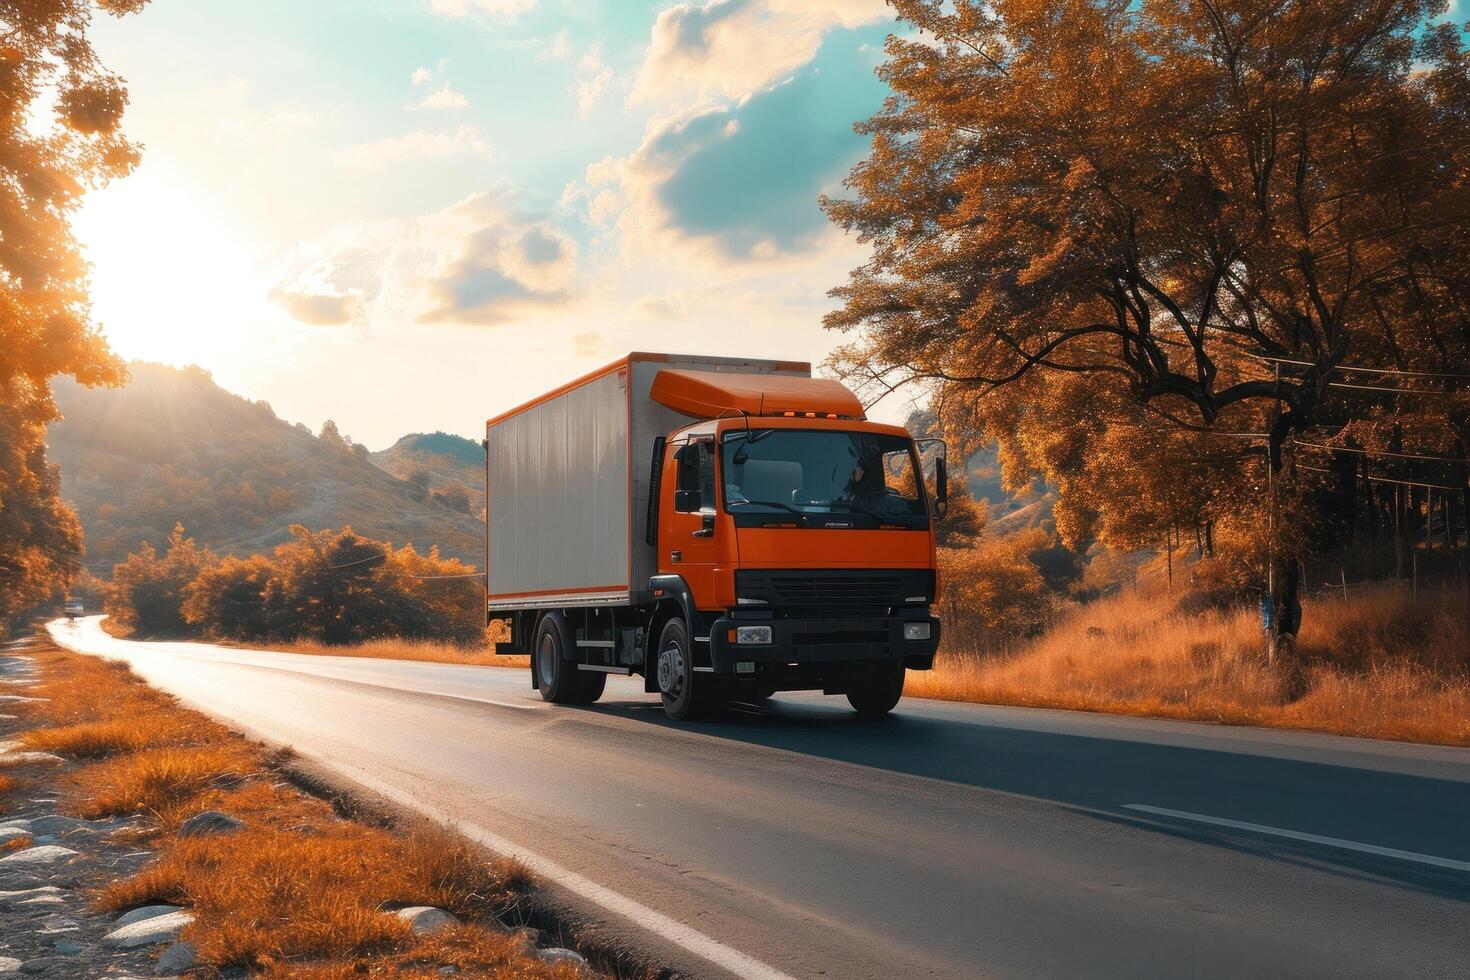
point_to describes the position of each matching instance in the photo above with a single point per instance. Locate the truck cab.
(787, 543)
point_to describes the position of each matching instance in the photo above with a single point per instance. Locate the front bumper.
(810, 641)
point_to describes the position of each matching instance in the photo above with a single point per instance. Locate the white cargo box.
(566, 484)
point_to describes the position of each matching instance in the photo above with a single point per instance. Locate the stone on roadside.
(145, 912)
(10, 834)
(177, 959)
(426, 920)
(42, 900)
(54, 823)
(158, 929)
(9, 964)
(31, 759)
(45, 854)
(67, 947)
(24, 894)
(207, 823)
(557, 956)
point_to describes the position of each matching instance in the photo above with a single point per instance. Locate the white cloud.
(730, 48)
(479, 261)
(593, 78)
(421, 76)
(492, 9)
(561, 45)
(446, 97)
(465, 140)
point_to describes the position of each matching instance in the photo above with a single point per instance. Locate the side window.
(696, 487)
(706, 464)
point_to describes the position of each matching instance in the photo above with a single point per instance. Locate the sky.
(410, 215)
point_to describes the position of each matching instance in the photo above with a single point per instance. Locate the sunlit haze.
(411, 215)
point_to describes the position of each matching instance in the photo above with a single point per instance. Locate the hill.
(174, 446)
(448, 466)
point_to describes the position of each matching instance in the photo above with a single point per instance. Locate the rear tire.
(593, 683)
(875, 695)
(557, 678)
(685, 695)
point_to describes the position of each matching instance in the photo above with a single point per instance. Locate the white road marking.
(1348, 845)
(639, 914)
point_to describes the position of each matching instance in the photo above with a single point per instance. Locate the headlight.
(752, 634)
(916, 631)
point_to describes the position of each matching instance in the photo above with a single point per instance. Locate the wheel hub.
(546, 659)
(671, 670)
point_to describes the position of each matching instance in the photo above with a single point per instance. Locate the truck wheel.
(558, 679)
(875, 695)
(593, 683)
(677, 685)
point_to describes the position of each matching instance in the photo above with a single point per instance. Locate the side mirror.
(687, 501)
(941, 485)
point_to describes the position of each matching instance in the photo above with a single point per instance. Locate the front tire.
(682, 693)
(875, 695)
(558, 679)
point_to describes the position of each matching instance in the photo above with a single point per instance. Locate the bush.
(148, 589)
(332, 587)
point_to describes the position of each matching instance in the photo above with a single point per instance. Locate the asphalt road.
(948, 840)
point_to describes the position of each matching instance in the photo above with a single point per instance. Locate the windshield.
(858, 478)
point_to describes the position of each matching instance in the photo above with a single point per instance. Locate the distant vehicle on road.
(723, 527)
(75, 609)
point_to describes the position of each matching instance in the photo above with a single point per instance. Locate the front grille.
(841, 590)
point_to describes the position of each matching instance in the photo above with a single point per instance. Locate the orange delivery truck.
(725, 528)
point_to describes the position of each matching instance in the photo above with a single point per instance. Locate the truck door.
(689, 547)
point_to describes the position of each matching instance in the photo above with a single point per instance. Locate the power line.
(1452, 375)
(1387, 391)
(1377, 452)
(1384, 479)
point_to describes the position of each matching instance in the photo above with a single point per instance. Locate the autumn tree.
(228, 599)
(1210, 210)
(60, 112)
(149, 589)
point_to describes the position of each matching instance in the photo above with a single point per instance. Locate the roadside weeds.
(293, 888)
(1382, 665)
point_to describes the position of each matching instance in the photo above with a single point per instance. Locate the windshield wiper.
(769, 503)
(853, 505)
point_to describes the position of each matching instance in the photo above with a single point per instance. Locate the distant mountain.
(441, 463)
(174, 446)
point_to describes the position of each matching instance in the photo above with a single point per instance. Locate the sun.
(172, 278)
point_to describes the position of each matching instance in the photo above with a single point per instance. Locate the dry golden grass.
(299, 891)
(1380, 665)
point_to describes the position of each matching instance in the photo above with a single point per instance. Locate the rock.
(55, 923)
(557, 956)
(146, 912)
(19, 823)
(42, 900)
(176, 959)
(9, 964)
(158, 929)
(45, 854)
(427, 920)
(54, 823)
(67, 947)
(12, 898)
(207, 823)
(14, 698)
(42, 963)
(9, 834)
(31, 759)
